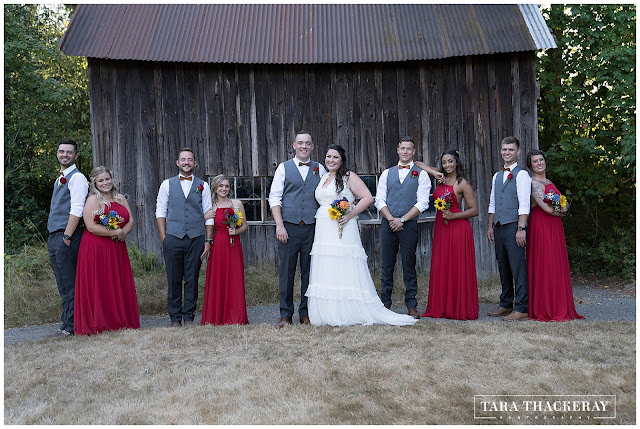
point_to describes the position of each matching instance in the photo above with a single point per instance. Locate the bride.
(341, 291)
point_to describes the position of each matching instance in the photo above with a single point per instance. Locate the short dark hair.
(71, 142)
(302, 132)
(510, 140)
(186, 149)
(407, 139)
(533, 153)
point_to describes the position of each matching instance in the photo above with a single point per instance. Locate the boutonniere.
(63, 179)
(414, 174)
(510, 177)
(199, 188)
(315, 170)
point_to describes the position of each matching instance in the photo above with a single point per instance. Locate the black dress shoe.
(60, 333)
(283, 321)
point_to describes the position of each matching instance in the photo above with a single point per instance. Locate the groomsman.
(293, 206)
(509, 206)
(181, 204)
(67, 203)
(403, 193)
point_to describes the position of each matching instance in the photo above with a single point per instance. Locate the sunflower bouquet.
(443, 203)
(338, 209)
(234, 220)
(557, 201)
(110, 220)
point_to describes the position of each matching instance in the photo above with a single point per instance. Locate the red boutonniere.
(414, 174)
(510, 177)
(199, 188)
(315, 170)
(63, 180)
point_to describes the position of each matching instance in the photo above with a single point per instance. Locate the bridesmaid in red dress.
(453, 285)
(224, 297)
(105, 295)
(550, 290)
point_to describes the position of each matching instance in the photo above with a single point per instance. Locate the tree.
(587, 127)
(46, 99)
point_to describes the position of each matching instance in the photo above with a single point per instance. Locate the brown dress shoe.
(516, 315)
(283, 321)
(413, 313)
(175, 324)
(304, 320)
(188, 323)
(500, 311)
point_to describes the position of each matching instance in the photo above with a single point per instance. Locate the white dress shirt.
(422, 195)
(523, 186)
(163, 197)
(78, 189)
(277, 186)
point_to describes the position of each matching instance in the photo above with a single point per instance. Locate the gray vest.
(506, 198)
(298, 197)
(401, 196)
(184, 215)
(60, 205)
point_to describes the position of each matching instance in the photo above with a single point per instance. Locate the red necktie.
(190, 178)
(308, 164)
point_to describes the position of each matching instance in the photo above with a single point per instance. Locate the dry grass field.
(424, 374)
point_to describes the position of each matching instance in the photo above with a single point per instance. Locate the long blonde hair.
(94, 191)
(217, 181)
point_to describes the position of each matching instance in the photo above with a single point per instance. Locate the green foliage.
(46, 99)
(587, 125)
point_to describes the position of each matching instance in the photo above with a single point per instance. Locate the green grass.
(31, 295)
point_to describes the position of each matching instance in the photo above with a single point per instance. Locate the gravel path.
(595, 304)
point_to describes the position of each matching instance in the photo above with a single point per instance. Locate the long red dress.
(550, 291)
(224, 299)
(453, 285)
(105, 293)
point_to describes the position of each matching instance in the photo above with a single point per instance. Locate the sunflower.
(439, 204)
(563, 201)
(113, 223)
(334, 214)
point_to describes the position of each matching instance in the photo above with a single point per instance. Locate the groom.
(403, 193)
(508, 213)
(293, 206)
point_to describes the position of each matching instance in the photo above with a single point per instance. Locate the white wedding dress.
(341, 291)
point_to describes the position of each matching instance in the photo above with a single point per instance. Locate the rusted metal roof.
(302, 33)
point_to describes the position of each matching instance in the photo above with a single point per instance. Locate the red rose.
(315, 170)
(414, 173)
(200, 188)
(510, 176)
(63, 180)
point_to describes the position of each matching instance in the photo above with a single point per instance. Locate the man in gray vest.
(509, 206)
(293, 206)
(181, 204)
(65, 230)
(402, 194)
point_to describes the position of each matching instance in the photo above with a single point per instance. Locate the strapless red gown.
(550, 290)
(105, 293)
(453, 285)
(224, 296)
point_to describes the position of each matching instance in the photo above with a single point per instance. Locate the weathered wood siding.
(240, 120)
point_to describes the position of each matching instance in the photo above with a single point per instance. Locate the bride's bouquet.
(338, 209)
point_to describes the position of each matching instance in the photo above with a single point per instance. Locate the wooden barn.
(235, 82)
